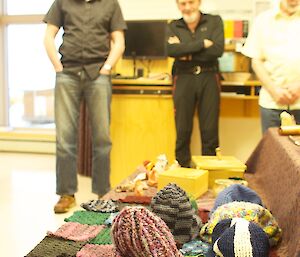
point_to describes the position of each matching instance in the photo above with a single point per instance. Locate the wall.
(167, 9)
(3, 90)
(238, 136)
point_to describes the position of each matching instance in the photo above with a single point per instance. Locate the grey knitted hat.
(236, 192)
(173, 205)
(239, 238)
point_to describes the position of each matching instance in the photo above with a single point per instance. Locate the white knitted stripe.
(242, 242)
(216, 249)
(215, 246)
(233, 221)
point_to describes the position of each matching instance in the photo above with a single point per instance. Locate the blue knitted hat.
(239, 238)
(236, 192)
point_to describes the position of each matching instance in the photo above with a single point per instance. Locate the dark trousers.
(200, 91)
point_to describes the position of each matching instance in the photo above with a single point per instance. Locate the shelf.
(229, 47)
(247, 90)
(239, 96)
(142, 81)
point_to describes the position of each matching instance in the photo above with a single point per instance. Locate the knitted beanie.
(236, 192)
(137, 232)
(172, 204)
(250, 211)
(239, 238)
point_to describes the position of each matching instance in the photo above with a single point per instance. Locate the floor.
(27, 197)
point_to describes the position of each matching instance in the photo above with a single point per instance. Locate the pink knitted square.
(77, 232)
(90, 250)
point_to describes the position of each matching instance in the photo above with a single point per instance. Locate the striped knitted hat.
(239, 238)
(137, 232)
(173, 205)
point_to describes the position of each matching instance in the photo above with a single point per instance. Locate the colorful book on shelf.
(245, 28)
(238, 29)
(235, 28)
(228, 29)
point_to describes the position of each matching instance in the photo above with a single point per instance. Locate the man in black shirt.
(196, 41)
(93, 41)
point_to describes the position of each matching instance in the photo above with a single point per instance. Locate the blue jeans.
(271, 117)
(69, 90)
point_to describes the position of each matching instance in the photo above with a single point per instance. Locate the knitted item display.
(239, 238)
(88, 217)
(90, 250)
(137, 232)
(249, 211)
(195, 248)
(103, 238)
(236, 192)
(172, 204)
(139, 199)
(77, 232)
(110, 219)
(100, 206)
(54, 246)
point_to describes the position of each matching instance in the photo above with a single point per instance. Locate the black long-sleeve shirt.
(192, 43)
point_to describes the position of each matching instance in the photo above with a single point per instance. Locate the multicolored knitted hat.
(137, 232)
(236, 192)
(250, 211)
(239, 238)
(172, 204)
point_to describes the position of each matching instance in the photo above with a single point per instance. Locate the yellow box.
(193, 181)
(220, 167)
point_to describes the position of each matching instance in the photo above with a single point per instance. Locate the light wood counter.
(143, 125)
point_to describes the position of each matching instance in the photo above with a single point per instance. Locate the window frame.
(6, 20)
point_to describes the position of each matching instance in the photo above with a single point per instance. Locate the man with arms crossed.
(196, 41)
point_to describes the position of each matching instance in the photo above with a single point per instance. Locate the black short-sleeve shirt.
(87, 26)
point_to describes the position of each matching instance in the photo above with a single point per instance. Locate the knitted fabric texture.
(172, 204)
(195, 248)
(54, 246)
(249, 211)
(103, 238)
(236, 192)
(77, 232)
(100, 206)
(142, 199)
(90, 250)
(239, 238)
(110, 219)
(88, 217)
(137, 232)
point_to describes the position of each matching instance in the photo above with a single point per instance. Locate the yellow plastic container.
(220, 167)
(193, 181)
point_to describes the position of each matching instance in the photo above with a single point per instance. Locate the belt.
(196, 69)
